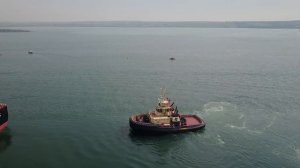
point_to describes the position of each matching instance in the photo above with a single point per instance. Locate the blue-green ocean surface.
(70, 101)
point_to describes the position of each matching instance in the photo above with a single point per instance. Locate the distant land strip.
(12, 30)
(293, 24)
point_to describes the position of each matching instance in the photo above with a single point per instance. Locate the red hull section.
(3, 126)
(3, 117)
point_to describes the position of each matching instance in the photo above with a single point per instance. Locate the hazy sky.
(148, 10)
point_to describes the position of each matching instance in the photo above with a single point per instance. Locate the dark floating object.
(30, 52)
(165, 119)
(172, 58)
(3, 117)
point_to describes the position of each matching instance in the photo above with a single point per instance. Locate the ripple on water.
(220, 141)
(217, 106)
(297, 153)
(288, 152)
(253, 121)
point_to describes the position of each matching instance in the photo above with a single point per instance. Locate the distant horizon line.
(293, 24)
(150, 21)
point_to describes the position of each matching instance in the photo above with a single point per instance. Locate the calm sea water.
(70, 101)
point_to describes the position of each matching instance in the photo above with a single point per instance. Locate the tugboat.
(165, 119)
(3, 117)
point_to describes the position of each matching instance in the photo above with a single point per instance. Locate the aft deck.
(192, 120)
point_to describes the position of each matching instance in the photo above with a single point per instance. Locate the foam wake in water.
(217, 106)
(229, 115)
(268, 124)
(220, 141)
(237, 127)
(297, 153)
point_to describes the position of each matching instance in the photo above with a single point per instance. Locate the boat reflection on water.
(5, 139)
(160, 144)
(163, 149)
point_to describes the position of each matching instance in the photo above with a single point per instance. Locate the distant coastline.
(293, 24)
(12, 30)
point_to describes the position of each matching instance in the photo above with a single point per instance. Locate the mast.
(162, 93)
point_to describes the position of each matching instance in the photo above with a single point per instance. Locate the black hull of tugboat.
(143, 127)
(3, 117)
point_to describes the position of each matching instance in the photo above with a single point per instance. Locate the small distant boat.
(3, 117)
(165, 119)
(30, 52)
(172, 58)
